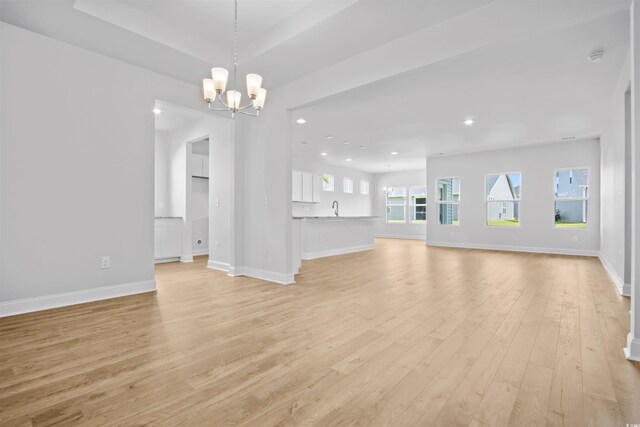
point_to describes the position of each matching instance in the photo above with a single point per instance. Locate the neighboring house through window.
(502, 194)
(396, 202)
(448, 201)
(571, 197)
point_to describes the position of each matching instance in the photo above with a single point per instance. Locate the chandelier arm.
(249, 114)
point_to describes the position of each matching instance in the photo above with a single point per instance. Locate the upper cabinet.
(306, 187)
(200, 165)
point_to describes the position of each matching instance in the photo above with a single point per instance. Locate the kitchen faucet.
(335, 206)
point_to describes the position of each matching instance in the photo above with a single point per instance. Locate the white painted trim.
(186, 258)
(28, 305)
(623, 288)
(332, 252)
(257, 273)
(555, 251)
(632, 350)
(163, 260)
(398, 236)
(217, 265)
(198, 252)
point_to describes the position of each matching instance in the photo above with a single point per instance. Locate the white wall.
(397, 179)
(200, 215)
(536, 232)
(162, 172)
(351, 204)
(77, 176)
(613, 171)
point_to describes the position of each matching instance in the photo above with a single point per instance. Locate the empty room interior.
(320, 212)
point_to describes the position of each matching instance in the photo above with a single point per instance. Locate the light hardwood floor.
(401, 335)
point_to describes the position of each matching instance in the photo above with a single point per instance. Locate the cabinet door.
(317, 188)
(296, 186)
(196, 165)
(307, 187)
(205, 166)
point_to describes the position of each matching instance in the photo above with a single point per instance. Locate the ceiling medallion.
(214, 87)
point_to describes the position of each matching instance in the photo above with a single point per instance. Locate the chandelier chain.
(235, 47)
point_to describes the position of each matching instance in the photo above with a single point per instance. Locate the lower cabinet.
(168, 239)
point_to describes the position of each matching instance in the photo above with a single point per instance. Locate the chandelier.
(215, 87)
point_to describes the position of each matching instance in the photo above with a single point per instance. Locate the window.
(327, 182)
(502, 195)
(396, 202)
(418, 203)
(347, 185)
(448, 201)
(364, 187)
(571, 197)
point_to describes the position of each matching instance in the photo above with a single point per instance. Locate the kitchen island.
(322, 236)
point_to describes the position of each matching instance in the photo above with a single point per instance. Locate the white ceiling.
(390, 75)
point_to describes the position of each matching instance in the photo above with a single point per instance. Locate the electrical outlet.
(575, 238)
(266, 200)
(266, 252)
(217, 246)
(321, 237)
(105, 262)
(161, 204)
(217, 202)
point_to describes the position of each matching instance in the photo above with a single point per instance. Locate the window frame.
(570, 199)
(410, 204)
(404, 205)
(333, 182)
(439, 202)
(486, 201)
(362, 181)
(346, 179)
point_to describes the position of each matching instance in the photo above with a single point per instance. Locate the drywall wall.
(349, 203)
(79, 185)
(397, 179)
(162, 173)
(536, 231)
(614, 171)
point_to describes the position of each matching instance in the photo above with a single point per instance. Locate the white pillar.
(632, 350)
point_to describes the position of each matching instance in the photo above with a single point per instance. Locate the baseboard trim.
(217, 265)
(257, 273)
(553, 251)
(623, 288)
(29, 305)
(333, 252)
(398, 236)
(164, 260)
(198, 252)
(186, 258)
(632, 350)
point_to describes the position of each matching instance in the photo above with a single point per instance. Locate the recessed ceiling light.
(393, 153)
(440, 154)
(362, 147)
(595, 56)
(469, 122)
(301, 121)
(348, 160)
(323, 154)
(568, 138)
(156, 110)
(345, 142)
(328, 137)
(304, 142)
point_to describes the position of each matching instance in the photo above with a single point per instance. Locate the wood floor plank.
(401, 335)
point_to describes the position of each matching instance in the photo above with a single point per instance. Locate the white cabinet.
(317, 188)
(168, 239)
(296, 186)
(199, 165)
(306, 187)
